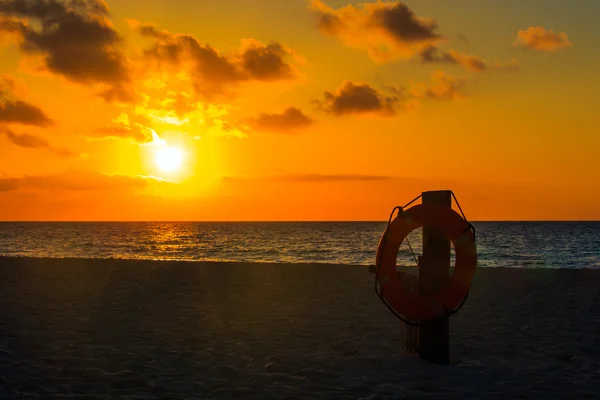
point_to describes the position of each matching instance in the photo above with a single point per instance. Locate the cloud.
(386, 30)
(137, 133)
(290, 119)
(122, 128)
(511, 66)
(8, 184)
(333, 178)
(211, 71)
(21, 112)
(75, 38)
(78, 181)
(310, 178)
(29, 141)
(181, 103)
(15, 110)
(358, 98)
(432, 54)
(265, 62)
(538, 38)
(443, 87)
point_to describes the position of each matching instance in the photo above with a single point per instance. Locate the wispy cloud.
(122, 128)
(315, 178)
(442, 86)
(386, 30)
(29, 141)
(539, 38)
(291, 119)
(511, 66)
(332, 178)
(434, 55)
(78, 181)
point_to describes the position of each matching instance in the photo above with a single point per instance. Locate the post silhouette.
(434, 273)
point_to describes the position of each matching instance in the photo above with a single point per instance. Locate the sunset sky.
(297, 110)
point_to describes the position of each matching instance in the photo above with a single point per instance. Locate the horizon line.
(277, 221)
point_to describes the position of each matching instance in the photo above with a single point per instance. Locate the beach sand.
(140, 329)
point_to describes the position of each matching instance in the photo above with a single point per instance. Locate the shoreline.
(270, 263)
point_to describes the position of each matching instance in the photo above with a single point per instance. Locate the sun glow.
(168, 159)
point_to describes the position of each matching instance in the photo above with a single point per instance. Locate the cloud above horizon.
(511, 66)
(29, 141)
(358, 98)
(313, 178)
(78, 181)
(123, 128)
(14, 110)
(213, 72)
(432, 54)
(442, 87)
(386, 30)
(332, 178)
(22, 112)
(539, 38)
(74, 39)
(291, 119)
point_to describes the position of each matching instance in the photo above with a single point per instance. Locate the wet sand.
(140, 329)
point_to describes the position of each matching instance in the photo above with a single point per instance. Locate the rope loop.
(379, 290)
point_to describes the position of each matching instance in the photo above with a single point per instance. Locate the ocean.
(499, 244)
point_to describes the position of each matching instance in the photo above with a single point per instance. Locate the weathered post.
(409, 334)
(434, 273)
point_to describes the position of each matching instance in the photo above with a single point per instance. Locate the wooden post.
(409, 334)
(434, 273)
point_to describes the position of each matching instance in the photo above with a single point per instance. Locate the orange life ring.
(412, 306)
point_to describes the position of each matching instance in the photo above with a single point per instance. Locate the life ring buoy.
(412, 306)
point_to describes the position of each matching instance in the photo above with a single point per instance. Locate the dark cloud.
(12, 25)
(21, 112)
(290, 119)
(212, 71)
(403, 24)
(387, 30)
(29, 141)
(53, 9)
(78, 181)
(266, 62)
(75, 38)
(15, 110)
(434, 55)
(539, 38)
(359, 98)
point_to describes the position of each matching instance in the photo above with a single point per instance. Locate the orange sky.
(297, 110)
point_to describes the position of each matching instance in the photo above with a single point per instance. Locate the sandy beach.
(127, 329)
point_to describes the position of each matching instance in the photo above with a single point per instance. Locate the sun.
(168, 159)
